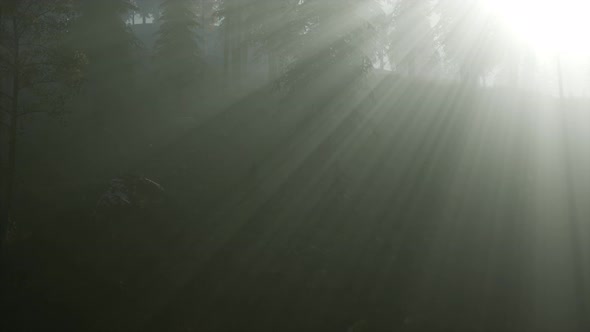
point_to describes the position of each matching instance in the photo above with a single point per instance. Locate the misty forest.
(295, 165)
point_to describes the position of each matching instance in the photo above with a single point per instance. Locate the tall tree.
(235, 46)
(177, 56)
(101, 34)
(148, 8)
(39, 74)
(413, 44)
(334, 38)
(270, 26)
(469, 36)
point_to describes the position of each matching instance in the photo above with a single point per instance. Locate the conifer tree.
(36, 76)
(177, 55)
(148, 8)
(469, 37)
(332, 38)
(101, 34)
(413, 47)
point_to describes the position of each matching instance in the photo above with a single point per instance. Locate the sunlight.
(549, 27)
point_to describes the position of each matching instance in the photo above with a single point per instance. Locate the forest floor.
(410, 208)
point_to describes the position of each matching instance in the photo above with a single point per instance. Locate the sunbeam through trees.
(294, 165)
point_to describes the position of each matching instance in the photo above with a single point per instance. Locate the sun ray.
(550, 27)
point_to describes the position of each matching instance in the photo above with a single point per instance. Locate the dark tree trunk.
(236, 48)
(227, 51)
(12, 135)
(244, 58)
(243, 46)
(9, 176)
(4, 219)
(11, 170)
(144, 18)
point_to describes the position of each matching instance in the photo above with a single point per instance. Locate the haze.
(295, 165)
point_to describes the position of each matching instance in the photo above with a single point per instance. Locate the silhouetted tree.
(177, 55)
(468, 34)
(235, 47)
(333, 38)
(148, 8)
(270, 28)
(413, 46)
(100, 33)
(39, 75)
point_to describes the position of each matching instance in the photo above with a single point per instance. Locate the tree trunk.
(11, 158)
(243, 46)
(226, 51)
(243, 55)
(236, 49)
(13, 123)
(8, 193)
(144, 19)
(3, 215)
(272, 66)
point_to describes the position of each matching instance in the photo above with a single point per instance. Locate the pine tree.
(413, 45)
(100, 32)
(36, 76)
(469, 36)
(177, 55)
(235, 34)
(333, 39)
(148, 8)
(270, 28)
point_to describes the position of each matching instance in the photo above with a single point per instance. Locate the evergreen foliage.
(413, 48)
(100, 33)
(469, 37)
(177, 55)
(332, 36)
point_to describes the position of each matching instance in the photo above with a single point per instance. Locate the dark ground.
(406, 210)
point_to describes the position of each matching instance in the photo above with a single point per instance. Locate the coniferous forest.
(294, 165)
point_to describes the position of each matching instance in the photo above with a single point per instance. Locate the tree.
(235, 47)
(334, 39)
(177, 55)
(469, 36)
(100, 33)
(148, 8)
(39, 74)
(413, 44)
(269, 25)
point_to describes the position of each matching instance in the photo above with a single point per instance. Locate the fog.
(294, 165)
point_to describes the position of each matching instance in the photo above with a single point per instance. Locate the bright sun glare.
(549, 26)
